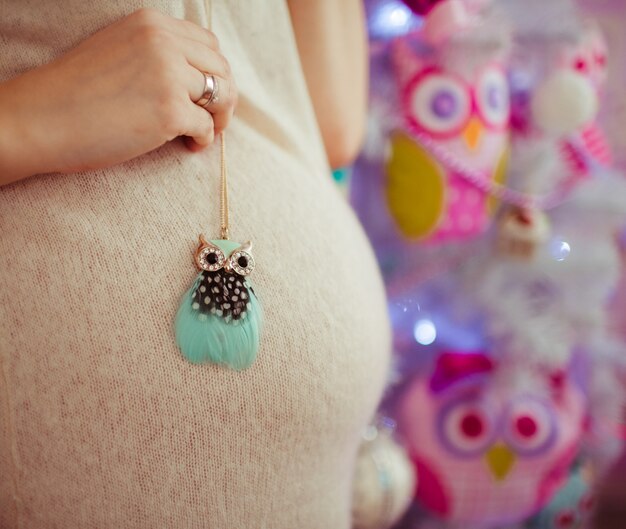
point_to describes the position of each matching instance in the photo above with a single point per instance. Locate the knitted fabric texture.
(103, 424)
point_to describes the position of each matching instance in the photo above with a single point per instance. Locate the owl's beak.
(473, 133)
(500, 460)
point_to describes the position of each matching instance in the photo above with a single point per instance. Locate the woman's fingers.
(189, 30)
(205, 59)
(200, 48)
(153, 18)
(200, 128)
(223, 108)
(196, 82)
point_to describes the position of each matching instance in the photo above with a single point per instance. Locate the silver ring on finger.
(211, 91)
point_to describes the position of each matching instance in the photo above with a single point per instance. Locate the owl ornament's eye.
(581, 64)
(466, 428)
(241, 260)
(437, 103)
(565, 519)
(492, 98)
(209, 257)
(531, 426)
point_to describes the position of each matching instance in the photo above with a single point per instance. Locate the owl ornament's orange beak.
(472, 134)
(500, 460)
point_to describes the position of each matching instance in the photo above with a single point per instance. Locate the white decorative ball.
(384, 483)
(564, 102)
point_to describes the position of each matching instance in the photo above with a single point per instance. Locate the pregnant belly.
(107, 415)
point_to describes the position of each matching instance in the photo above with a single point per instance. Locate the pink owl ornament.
(450, 145)
(557, 71)
(588, 146)
(491, 448)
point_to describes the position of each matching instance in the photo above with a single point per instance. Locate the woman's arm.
(124, 91)
(332, 41)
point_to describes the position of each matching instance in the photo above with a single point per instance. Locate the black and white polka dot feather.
(222, 293)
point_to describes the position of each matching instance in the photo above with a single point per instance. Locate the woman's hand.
(122, 92)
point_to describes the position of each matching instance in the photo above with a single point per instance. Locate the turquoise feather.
(209, 338)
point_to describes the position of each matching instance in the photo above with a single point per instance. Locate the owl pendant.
(219, 320)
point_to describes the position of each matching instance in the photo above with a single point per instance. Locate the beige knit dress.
(103, 424)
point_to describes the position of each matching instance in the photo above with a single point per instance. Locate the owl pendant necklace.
(219, 319)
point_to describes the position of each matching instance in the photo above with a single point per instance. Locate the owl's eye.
(492, 98)
(241, 262)
(531, 426)
(438, 104)
(210, 258)
(565, 519)
(466, 428)
(581, 65)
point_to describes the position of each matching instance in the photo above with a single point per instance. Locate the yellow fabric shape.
(499, 177)
(415, 187)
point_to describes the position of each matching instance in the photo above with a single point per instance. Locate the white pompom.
(564, 102)
(384, 484)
